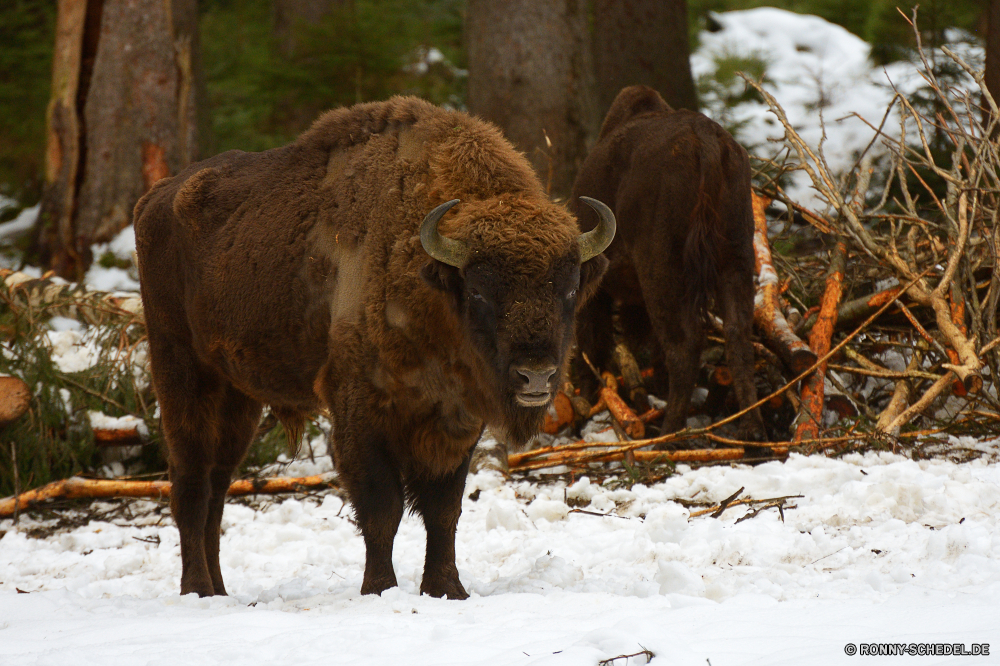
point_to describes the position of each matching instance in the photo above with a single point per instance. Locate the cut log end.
(15, 398)
(116, 436)
(800, 360)
(973, 383)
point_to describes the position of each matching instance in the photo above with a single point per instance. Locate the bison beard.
(680, 187)
(333, 273)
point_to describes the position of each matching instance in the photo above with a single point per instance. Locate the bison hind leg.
(439, 502)
(737, 312)
(238, 421)
(208, 432)
(189, 498)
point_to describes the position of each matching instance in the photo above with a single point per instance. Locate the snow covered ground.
(879, 548)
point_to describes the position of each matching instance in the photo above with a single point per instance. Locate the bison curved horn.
(446, 250)
(599, 238)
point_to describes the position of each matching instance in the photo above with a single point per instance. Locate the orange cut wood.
(559, 415)
(15, 398)
(76, 488)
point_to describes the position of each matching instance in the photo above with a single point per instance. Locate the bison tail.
(701, 248)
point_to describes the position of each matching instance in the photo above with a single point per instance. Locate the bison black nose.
(537, 387)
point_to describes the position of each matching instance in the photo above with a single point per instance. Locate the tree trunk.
(124, 113)
(643, 41)
(530, 73)
(992, 55)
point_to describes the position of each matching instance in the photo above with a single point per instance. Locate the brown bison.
(316, 276)
(680, 188)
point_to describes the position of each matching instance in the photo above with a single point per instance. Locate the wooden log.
(581, 406)
(79, 488)
(620, 411)
(116, 436)
(811, 406)
(957, 307)
(900, 396)
(721, 376)
(767, 313)
(652, 415)
(559, 415)
(647, 373)
(631, 378)
(842, 405)
(15, 398)
(570, 458)
(852, 311)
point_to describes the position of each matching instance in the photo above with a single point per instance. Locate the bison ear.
(591, 272)
(442, 276)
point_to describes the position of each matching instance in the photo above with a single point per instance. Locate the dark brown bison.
(315, 275)
(680, 188)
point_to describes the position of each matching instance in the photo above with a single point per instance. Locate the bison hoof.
(444, 588)
(377, 585)
(201, 590)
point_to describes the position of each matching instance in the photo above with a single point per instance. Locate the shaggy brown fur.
(680, 188)
(296, 278)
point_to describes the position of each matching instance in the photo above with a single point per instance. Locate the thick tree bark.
(992, 54)
(124, 113)
(643, 41)
(530, 73)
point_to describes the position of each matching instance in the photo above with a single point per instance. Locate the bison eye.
(571, 294)
(473, 293)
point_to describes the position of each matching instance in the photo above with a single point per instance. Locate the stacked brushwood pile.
(886, 335)
(883, 335)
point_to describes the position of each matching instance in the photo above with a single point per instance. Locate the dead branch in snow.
(80, 488)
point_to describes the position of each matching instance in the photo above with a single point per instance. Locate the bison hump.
(631, 102)
(194, 201)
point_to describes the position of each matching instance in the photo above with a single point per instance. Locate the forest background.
(252, 74)
(271, 66)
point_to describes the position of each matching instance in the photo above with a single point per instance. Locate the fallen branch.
(611, 662)
(724, 503)
(754, 510)
(717, 510)
(621, 412)
(631, 379)
(79, 488)
(68, 299)
(576, 458)
(767, 313)
(811, 410)
(851, 311)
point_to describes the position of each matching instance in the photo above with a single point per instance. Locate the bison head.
(516, 281)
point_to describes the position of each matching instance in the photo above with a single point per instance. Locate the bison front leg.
(439, 502)
(375, 489)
